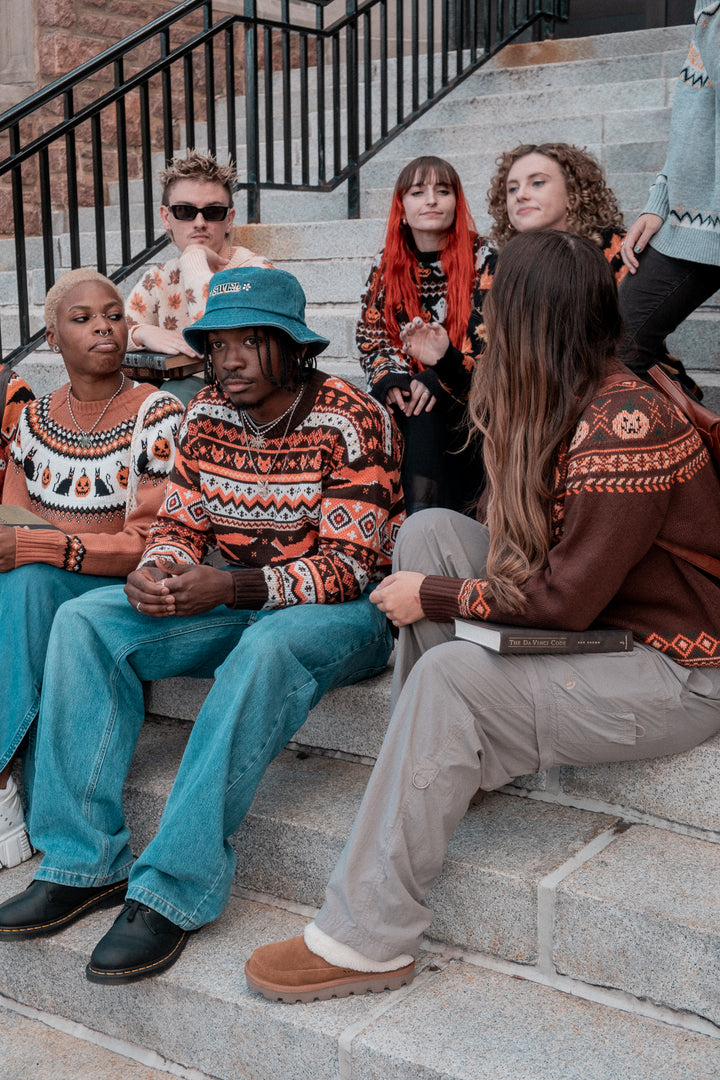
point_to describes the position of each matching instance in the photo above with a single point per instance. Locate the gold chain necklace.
(263, 484)
(85, 439)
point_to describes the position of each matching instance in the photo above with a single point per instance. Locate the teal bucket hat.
(255, 296)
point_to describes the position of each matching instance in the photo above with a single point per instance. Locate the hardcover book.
(20, 517)
(531, 639)
(157, 366)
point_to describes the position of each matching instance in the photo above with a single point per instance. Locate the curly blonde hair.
(592, 206)
(196, 166)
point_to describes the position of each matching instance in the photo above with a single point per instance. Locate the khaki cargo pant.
(465, 718)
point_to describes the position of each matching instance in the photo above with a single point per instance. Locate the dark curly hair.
(592, 206)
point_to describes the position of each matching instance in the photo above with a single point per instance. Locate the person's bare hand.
(395, 397)
(420, 400)
(158, 339)
(638, 236)
(427, 342)
(216, 260)
(146, 590)
(179, 589)
(399, 597)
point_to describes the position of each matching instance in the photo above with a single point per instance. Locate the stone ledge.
(455, 1019)
(644, 917)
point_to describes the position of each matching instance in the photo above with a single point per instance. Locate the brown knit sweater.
(633, 471)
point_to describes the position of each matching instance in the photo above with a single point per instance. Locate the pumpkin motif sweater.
(82, 491)
(174, 294)
(326, 526)
(384, 363)
(633, 471)
(16, 398)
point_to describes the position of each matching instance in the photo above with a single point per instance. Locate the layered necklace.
(254, 435)
(85, 439)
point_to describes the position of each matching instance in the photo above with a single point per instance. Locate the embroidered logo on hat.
(230, 286)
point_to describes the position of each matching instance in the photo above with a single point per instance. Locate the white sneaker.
(15, 846)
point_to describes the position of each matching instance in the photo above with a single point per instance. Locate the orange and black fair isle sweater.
(382, 359)
(82, 490)
(327, 525)
(16, 398)
(633, 471)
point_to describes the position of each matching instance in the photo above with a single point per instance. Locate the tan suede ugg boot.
(288, 971)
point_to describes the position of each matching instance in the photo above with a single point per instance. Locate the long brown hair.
(398, 269)
(592, 206)
(553, 326)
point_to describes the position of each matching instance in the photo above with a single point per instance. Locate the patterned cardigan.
(173, 294)
(82, 491)
(385, 365)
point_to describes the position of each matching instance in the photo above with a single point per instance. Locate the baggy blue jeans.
(271, 668)
(29, 599)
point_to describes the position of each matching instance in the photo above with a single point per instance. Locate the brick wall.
(68, 33)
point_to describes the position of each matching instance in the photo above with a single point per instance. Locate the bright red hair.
(399, 269)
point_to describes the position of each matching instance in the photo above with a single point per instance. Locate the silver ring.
(138, 606)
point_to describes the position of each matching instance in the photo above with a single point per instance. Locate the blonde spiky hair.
(195, 166)
(65, 284)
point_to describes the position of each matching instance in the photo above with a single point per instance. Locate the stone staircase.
(577, 919)
(612, 94)
(576, 931)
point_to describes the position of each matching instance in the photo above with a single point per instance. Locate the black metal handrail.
(357, 83)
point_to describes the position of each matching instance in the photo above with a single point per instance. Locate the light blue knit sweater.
(686, 194)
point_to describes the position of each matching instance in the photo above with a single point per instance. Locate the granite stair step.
(69, 1051)
(457, 1020)
(350, 722)
(569, 890)
(613, 978)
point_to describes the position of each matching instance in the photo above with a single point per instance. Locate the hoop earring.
(56, 348)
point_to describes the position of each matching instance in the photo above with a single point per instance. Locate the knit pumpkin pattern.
(81, 490)
(633, 470)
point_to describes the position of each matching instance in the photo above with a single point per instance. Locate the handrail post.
(353, 134)
(252, 132)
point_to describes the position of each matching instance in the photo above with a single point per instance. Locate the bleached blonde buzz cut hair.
(195, 166)
(67, 282)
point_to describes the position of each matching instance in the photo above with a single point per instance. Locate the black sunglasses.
(187, 212)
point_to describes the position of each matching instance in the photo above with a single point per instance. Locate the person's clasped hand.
(171, 588)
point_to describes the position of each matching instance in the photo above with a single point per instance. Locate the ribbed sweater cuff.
(450, 363)
(380, 389)
(658, 201)
(439, 597)
(39, 545)
(250, 588)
